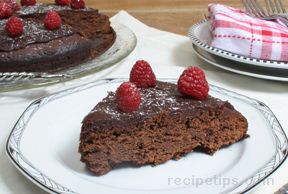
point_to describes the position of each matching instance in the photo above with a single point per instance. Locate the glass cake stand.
(124, 44)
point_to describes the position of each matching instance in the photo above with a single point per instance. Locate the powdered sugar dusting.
(34, 32)
(164, 97)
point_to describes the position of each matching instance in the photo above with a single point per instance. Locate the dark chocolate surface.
(34, 32)
(164, 97)
(83, 35)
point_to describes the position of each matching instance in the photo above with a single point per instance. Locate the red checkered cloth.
(233, 30)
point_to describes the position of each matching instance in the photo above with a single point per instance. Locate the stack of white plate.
(201, 37)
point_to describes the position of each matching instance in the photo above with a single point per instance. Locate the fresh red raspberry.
(77, 4)
(128, 97)
(8, 10)
(52, 20)
(15, 6)
(193, 83)
(14, 26)
(5, 10)
(8, 1)
(62, 2)
(28, 2)
(142, 75)
(2, 11)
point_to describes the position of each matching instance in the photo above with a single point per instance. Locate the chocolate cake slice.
(166, 126)
(83, 35)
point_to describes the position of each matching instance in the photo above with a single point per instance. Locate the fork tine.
(259, 8)
(254, 8)
(281, 6)
(271, 6)
(247, 7)
(276, 3)
(268, 7)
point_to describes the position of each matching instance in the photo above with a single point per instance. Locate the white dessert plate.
(201, 36)
(236, 67)
(43, 146)
(124, 44)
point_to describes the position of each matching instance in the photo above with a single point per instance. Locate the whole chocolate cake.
(83, 35)
(166, 126)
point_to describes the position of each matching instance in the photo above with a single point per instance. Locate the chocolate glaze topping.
(154, 100)
(34, 32)
(34, 29)
(83, 35)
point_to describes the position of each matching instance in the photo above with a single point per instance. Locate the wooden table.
(169, 15)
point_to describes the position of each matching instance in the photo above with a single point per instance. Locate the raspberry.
(193, 83)
(8, 1)
(2, 14)
(8, 10)
(2, 10)
(52, 20)
(15, 6)
(142, 75)
(14, 27)
(5, 10)
(62, 2)
(77, 4)
(28, 2)
(128, 97)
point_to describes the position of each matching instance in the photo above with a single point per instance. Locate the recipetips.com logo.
(213, 181)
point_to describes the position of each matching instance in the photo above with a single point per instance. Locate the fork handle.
(279, 19)
(282, 21)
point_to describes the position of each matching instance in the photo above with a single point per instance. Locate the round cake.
(83, 35)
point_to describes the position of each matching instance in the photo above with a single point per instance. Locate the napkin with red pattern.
(235, 31)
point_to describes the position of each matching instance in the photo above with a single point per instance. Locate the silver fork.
(274, 8)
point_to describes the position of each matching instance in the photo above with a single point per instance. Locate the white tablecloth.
(169, 54)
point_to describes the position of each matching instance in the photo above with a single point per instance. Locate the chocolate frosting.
(163, 97)
(34, 32)
(34, 29)
(83, 35)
